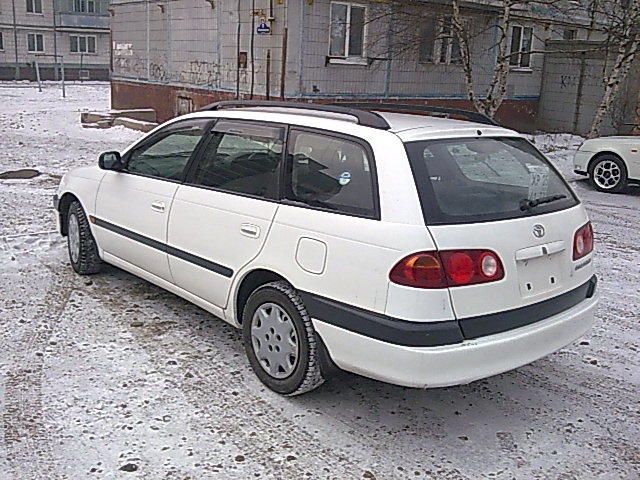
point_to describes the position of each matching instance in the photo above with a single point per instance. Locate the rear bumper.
(459, 363)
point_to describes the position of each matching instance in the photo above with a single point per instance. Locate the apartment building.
(177, 55)
(52, 33)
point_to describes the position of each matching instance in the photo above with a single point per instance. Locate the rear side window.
(330, 173)
(242, 157)
(468, 180)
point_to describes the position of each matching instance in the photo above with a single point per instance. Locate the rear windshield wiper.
(526, 204)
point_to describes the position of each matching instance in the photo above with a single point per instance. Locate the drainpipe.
(15, 40)
(55, 41)
(576, 113)
(387, 79)
(253, 32)
(238, 54)
(148, 43)
(301, 45)
(283, 54)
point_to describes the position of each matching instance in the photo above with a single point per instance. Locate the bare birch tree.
(491, 101)
(621, 21)
(494, 60)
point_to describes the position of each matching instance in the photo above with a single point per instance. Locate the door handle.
(157, 206)
(249, 230)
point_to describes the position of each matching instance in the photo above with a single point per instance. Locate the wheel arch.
(63, 209)
(603, 153)
(250, 281)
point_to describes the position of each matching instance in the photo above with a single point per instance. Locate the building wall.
(182, 54)
(56, 34)
(573, 88)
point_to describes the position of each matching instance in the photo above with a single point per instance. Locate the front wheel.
(280, 341)
(83, 251)
(608, 173)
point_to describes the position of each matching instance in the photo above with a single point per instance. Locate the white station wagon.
(414, 249)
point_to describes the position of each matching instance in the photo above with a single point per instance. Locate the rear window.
(466, 180)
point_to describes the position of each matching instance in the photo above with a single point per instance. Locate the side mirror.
(110, 161)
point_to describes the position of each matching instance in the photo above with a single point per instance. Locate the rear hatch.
(501, 194)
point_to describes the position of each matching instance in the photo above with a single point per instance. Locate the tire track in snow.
(26, 439)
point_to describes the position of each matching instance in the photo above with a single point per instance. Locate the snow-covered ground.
(111, 377)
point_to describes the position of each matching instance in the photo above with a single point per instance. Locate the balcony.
(83, 20)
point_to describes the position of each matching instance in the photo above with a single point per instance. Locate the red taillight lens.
(449, 268)
(422, 270)
(583, 241)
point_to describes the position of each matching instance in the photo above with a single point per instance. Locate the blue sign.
(263, 28)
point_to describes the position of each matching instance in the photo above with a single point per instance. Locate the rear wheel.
(279, 339)
(83, 251)
(608, 173)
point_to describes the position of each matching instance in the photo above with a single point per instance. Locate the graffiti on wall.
(195, 73)
(567, 81)
(200, 73)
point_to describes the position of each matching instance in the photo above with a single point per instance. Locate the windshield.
(466, 180)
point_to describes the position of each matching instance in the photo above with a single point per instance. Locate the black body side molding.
(163, 247)
(449, 332)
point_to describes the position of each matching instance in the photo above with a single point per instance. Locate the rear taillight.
(448, 268)
(583, 241)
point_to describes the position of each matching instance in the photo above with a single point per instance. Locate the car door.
(132, 206)
(221, 216)
(326, 235)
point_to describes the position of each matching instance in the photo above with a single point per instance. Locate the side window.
(242, 157)
(330, 172)
(168, 155)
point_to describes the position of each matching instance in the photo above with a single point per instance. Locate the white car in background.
(412, 249)
(611, 163)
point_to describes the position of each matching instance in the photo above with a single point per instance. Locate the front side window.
(242, 157)
(467, 180)
(34, 6)
(347, 30)
(167, 155)
(521, 38)
(330, 173)
(35, 42)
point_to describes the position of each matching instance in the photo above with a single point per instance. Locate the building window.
(520, 46)
(347, 30)
(35, 42)
(439, 42)
(83, 44)
(1, 42)
(34, 6)
(85, 6)
(569, 34)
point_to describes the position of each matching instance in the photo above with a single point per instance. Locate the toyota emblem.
(538, 231)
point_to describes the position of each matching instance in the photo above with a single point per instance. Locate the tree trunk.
(618, 74)
(627, 51)
(490, 104)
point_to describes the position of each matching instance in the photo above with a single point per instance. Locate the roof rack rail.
(363, 117)
(425, 109)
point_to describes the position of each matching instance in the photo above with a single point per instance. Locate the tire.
(285, 377)
(83, 255)
(608, 173)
